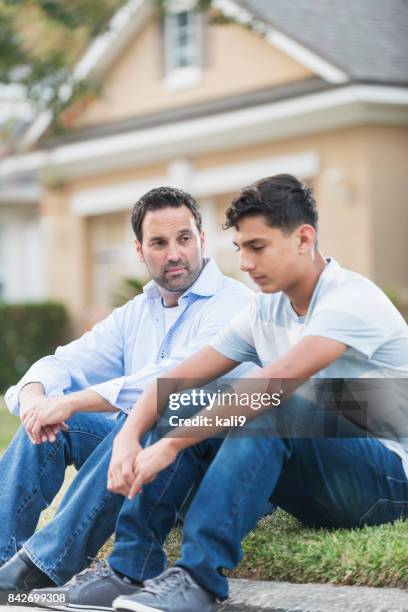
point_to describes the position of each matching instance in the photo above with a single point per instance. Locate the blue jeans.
(345, 480)
(31, 476)
(145, 522)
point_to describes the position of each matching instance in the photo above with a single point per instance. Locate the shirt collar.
(205, 285)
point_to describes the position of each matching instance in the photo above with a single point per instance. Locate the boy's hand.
(126, 448)
(150, 461)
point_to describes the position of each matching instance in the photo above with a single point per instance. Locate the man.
(185, 304)
(313, 319)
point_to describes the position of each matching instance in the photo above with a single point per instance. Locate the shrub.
(400, 300)
(28, 332)
(128, 289)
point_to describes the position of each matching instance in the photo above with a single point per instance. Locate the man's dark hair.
(283, 200)
(163, 197)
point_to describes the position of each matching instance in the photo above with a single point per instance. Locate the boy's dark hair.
(283, 200)
(163, 197)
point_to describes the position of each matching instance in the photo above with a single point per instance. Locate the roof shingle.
(367, 39)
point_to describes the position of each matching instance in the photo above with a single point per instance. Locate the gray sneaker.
(93, 589)
(173, 591)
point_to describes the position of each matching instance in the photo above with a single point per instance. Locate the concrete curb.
(255, 596)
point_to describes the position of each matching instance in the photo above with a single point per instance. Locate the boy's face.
(273, 259)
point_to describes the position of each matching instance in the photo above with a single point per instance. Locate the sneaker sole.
(135, 607)
(79, 607)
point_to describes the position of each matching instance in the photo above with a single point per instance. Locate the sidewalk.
(255, 596)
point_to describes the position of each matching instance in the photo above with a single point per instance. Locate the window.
(183, 42)
(112, 256)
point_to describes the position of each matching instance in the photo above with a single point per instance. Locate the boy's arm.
(306, 358)
(201, 368)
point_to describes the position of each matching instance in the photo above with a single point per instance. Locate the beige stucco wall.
(236, 60)
(344, 205)
(361, 194)
(387, 153)
(66, 254)
(116, 177)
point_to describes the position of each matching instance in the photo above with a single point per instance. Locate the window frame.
(182, 76)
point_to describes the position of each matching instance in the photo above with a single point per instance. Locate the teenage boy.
(312, 319)
(64, 402)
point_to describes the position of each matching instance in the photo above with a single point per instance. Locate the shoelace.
(175, 577)
(102, 568)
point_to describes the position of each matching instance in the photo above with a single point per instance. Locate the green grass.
(8, 426)
(280, 548)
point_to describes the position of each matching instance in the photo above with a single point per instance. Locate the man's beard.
(178, 284)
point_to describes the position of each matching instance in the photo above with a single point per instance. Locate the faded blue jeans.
(31, 476)
(340, 479)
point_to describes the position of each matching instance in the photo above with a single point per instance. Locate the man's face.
(271, 257)
(172, 248)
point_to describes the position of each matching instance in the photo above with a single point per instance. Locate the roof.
(338, 40)
(366, 39)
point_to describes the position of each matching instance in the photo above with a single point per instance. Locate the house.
(22, 275)
(319, 90)
(21, 264)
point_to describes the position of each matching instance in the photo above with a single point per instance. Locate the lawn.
(280, 548)
(8, 426)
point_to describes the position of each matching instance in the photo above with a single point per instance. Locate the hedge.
(27, 332)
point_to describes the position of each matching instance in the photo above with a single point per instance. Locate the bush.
(28, 332)
(128, 289)
(400, 300)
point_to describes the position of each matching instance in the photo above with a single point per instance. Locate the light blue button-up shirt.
(125, 352)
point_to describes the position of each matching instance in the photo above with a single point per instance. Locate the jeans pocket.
(385, 511)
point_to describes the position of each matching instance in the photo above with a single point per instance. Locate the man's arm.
(29, 395)
(306, 358)
(92, 358)
(121, 393)
(96, 356)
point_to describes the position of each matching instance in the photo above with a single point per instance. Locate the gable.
(236, 60)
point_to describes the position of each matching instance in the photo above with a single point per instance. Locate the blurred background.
(101, 100)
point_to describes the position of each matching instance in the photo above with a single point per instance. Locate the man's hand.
(47, 417)
(30, 395)
(126, 448)
(150, 462)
